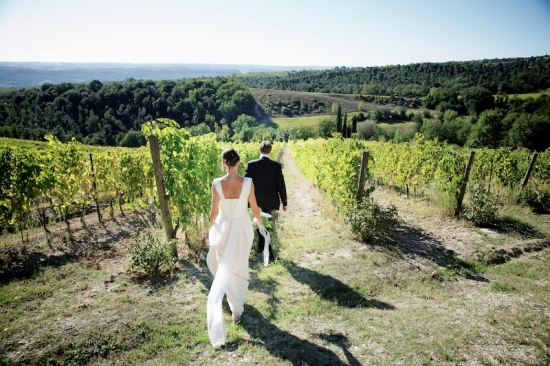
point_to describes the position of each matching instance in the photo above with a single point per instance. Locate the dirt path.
(303, 197)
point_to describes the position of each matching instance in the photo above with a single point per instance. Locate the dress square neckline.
(240, 193)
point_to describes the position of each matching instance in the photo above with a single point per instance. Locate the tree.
(488, 131)
(453, 130)
(95, 85)
(229, 111)
(477, 100)
(282, 134)
(339, 119)
(530, 131)
(243, 122)
(92, 124)
(133, 139)
(345, 126)
(326, 128)
(301, 133)
(108, 138)
(85, 109)
(264, 133)
(367, 130)
(200, 129)
(244, 135)
(224, 134)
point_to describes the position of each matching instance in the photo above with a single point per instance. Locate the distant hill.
(28, 74)
(505, 76)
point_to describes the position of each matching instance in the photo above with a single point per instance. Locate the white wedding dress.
(230, 240)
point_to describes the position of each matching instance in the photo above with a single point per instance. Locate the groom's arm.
(281, 188)
(247, 171)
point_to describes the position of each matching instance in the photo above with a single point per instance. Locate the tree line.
(112, 113)
(505, 76)
(461, 95)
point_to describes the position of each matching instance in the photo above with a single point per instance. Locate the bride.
(230, 238)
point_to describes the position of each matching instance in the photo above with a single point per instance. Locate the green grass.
(397, 124)
(530, 95)
(313, 122)
(403, 127)
(309, 121)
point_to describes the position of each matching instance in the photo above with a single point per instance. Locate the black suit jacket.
(269, 183)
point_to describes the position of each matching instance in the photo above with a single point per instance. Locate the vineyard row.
(58, 178)
(333, 165)
(49, 182)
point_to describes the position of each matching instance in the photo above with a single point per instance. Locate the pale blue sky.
(273, 32)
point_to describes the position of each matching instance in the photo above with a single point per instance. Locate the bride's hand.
(257, 222)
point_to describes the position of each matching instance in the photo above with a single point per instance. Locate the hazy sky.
(273, 32)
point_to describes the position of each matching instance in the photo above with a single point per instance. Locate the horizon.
(301, 34)
(249, 65)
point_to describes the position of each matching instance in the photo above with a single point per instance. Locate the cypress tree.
(345, 126)
(339, 119)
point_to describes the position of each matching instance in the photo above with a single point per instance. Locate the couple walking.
(231, 234)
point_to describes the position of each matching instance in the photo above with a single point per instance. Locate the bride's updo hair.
(230, 156)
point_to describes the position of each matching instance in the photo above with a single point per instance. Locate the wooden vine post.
(94, 186)
(161, 192)
(362, 175)
(529, 171)
(464, 183)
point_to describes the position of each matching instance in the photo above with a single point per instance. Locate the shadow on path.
(288, 347)
(343, 342)
(283, 344)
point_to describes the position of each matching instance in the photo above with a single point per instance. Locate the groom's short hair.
(265, 147)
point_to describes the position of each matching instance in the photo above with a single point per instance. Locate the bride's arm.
(253, 205)
(214, 205)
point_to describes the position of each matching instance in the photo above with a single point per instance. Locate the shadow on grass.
(157, 283)
(332, 289)
(26, 260)
(341, 341)
(512, 225)
(283, 344)
(268, 121)
(414, 244)
(288, 347)
(31, 265)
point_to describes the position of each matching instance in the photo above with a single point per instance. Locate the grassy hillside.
(532, 95)
(305, 121)
(313, 122)
(305, 103)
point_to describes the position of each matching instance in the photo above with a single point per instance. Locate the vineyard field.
(42, 183)
(333, 165)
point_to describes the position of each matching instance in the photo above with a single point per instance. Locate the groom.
(269, 186)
